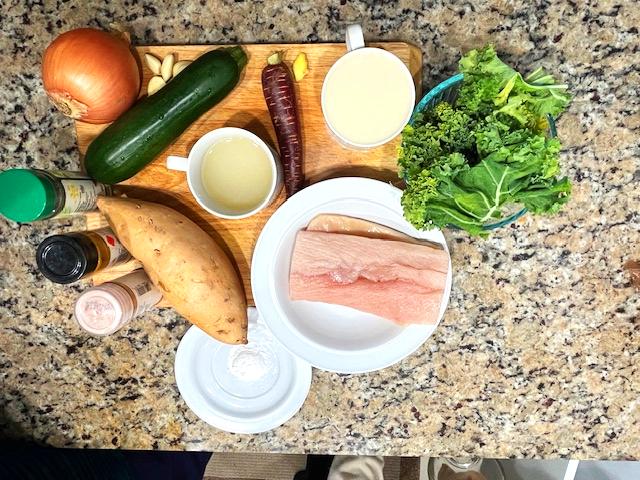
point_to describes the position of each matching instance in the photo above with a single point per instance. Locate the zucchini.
(139, 135)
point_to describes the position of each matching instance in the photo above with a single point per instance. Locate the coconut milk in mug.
(368, 95)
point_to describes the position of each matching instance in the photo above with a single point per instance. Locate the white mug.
(193, 166)
(356, 46)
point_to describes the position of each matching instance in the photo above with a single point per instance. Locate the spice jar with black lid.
(69, 257)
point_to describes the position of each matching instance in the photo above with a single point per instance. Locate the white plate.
(332, 337)
(213, 390)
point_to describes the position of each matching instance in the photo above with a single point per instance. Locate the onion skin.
(90, 75)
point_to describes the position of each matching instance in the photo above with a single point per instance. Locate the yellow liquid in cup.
(367, 97)
(236, 174)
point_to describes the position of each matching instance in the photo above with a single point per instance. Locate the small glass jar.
(105, 309)
(69, 257)
(28, 195)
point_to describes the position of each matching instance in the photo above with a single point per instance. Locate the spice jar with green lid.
(27, 195)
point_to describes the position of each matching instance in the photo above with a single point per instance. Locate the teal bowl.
(447, 91)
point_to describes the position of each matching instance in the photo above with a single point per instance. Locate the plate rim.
(415, 335)
(280, 415)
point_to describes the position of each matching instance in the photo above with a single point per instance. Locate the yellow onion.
(90, 75)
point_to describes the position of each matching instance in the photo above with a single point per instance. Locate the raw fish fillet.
(399, 281)
(333, 223)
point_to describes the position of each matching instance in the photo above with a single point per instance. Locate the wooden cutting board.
(245, 107)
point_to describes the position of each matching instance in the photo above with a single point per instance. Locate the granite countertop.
(539, 352)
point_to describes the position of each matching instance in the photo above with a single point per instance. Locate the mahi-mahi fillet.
(335, 223)
(396, 280)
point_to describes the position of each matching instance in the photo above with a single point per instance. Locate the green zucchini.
(139, 135)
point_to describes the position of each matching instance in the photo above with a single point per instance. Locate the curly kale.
(443, 129)
(490, 87)
(464, 163)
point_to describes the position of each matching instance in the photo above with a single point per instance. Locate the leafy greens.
(464, 163)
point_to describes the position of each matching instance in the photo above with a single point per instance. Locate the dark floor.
(25, 462)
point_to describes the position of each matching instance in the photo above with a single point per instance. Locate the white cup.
(356, 46)
(193, 166)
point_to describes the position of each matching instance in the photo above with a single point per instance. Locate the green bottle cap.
(25, 195)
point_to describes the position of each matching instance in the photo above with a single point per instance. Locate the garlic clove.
(166, 69)
(153, 63)
(155, 84)
(179, 66)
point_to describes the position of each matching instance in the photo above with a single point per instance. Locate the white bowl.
(333, 337)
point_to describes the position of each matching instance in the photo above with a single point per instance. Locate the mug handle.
(354, 37)
(177, 163)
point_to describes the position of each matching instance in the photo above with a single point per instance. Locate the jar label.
(81, 195)
(117, 253)
(146, 294)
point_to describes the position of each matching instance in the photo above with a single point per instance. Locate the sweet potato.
(187, 265)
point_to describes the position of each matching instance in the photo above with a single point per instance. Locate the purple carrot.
(279, 93)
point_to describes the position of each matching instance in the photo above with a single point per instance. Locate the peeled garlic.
(166, 68)
(179, 66)
(300, 66)
(155, 84)
(153, 63)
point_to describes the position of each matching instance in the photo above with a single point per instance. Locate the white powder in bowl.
(250, 363)
(255, 360)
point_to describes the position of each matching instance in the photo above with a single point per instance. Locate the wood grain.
(245, 107)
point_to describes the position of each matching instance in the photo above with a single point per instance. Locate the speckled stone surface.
(539, 352)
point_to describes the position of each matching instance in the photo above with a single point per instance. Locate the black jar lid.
(66, 258)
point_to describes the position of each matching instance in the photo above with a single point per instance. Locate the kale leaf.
(465, 163)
